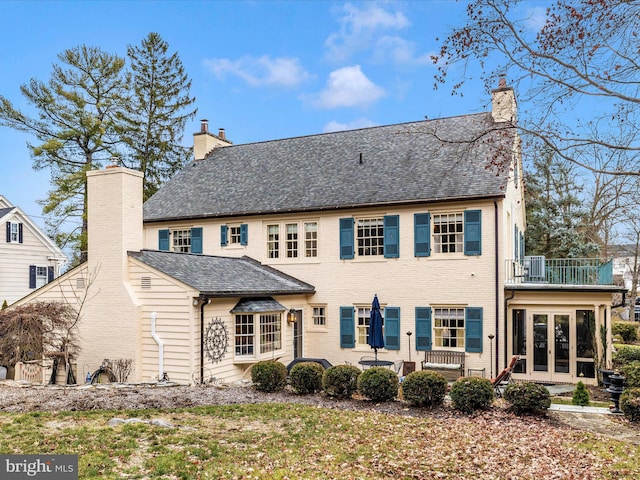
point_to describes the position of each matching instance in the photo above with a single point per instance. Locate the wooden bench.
(449, 364)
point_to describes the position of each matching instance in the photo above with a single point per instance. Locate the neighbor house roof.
(223, 276)
(425, 161)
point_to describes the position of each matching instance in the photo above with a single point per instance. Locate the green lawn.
(290, 441)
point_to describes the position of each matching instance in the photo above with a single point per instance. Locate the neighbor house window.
(448, 328)
(448, 233)
(319, 317)
(14, 232)
(370, 236)
(258, 334)
(273, 241)
(311, 239)
(292, 240)
(181, 241)
(41, 276)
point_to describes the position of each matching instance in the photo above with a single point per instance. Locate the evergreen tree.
(76, 131)
(556, 226)
(580, 395)
(153, 121)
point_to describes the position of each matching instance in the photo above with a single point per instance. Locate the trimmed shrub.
(627, 331)
(424, 388)
(630, 404)
(527, 398)
(469, 394)
(626, 354)
(580, 395)
(306, 377)
(378, 384)
(341, 381)
(269, 376)
(631, 373)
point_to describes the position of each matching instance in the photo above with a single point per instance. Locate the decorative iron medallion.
(216, 340)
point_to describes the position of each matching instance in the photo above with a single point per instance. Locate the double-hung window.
(292, 240)
(448, 233)
(448, 327)
(319, 316)
(39, 276)
(234, 235)
(183, 240)
(14, 232)
(368, 237)
(258, 334)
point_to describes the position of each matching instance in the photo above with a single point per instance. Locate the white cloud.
(257, 72)
(348, 87)
(399, 51)
(360, 27)
(353, 125)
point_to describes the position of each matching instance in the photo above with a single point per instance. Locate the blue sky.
(260, 69)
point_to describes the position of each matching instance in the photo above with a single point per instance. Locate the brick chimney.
(204, 142)
(503, 103)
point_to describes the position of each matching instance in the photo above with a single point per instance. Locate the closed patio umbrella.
(376, 338)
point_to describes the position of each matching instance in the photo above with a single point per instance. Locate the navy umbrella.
(376, 338)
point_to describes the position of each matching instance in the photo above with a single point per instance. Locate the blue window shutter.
(521, 246)
(223, 235)
(347, 328)
(422, 234)
(244, 234)
(516, 244)
(50, 274)
(473, 232)
(163, 240)
(346, 238)
(196, 240)
(473, 329)
(20, 233)
(392, 328)
(423, 328)
(32, 276)
(391, 236)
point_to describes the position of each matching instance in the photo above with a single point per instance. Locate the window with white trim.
(370, 236)
(41, 276)
(292, 240)
(13, 232)
(448, 233)
(234, 235)
(257, 335)
(363, 316)
(319, 316)
(448, 327)
(311, 239)
(273, 241)
(298, 240)
(181, 240)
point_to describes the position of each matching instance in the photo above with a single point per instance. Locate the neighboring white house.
(275, 250)
(28, 258)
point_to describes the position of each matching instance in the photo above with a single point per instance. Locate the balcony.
(555, 271)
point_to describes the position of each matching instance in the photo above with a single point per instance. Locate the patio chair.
(397, 366)
(504, 377)
(365, 359)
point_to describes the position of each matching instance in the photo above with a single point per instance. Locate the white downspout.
(154, 316)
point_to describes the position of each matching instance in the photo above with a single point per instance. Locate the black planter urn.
(615, 389)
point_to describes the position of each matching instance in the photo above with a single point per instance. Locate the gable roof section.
(393, 164)
(223, 276)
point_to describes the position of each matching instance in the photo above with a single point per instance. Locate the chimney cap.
(204, 125)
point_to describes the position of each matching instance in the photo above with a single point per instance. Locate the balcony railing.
(555, 271)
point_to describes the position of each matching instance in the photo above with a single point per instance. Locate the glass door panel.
(519, 340)
(561, 343)
(540, 351)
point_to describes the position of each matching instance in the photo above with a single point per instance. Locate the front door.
(297, 334)
(552, 347)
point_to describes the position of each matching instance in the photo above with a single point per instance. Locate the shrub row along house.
(275, 250)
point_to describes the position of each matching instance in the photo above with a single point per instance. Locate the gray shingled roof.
(401, 163)
(4, 211)
(223, 276)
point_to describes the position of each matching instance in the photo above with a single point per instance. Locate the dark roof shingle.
(223, 276)
(391, 164)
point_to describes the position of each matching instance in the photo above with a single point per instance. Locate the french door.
(552, 346)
